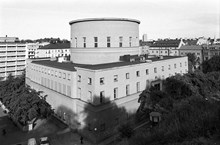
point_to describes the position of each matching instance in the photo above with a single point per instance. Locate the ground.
(58, 132)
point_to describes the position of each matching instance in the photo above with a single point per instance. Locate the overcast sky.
(32, 19)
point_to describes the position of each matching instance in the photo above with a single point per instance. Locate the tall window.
(130, 39)
(127, 90)
(137, 73)
(174, 65)
(95, 41)
(102, 95)
(84, 42)
(90, 96)
(162, 68)
(127, 75)
(169, 67)
(138, 86)
(76, 41)
(147, 71)
(120, 41)
(180, 64)
(89, 81)
(115, 93)
(101, 81)
(79, 78)
(155, 70)
(115, 78)
(108, 41)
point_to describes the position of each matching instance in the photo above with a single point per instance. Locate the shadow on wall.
(68, 116)
(95, 122)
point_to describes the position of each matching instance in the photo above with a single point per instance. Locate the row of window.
(56, 86)
(52, 72)
(108, 41)
(127, 75)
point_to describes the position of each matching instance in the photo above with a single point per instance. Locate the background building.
(12, 57)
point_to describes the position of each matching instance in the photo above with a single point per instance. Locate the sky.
(34, 19)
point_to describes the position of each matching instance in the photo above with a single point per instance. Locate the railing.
(11, 54)
(2, 64)
(21, 63)
(11, 63)
(10, 69)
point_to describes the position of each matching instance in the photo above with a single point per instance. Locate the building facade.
(91, 93)
(12, 57)
(53, 50)
(193, 49)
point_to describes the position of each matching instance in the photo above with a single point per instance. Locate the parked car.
(32, 141)
(44, 141)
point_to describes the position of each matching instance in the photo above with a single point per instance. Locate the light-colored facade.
(166, 47)
(103, 40)
(95, 98)
(32, 48)
(12, 58)
(194, 49)
(53, 50)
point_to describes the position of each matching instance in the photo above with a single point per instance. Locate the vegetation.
(190, 107)
(24, 104)
(211, 64)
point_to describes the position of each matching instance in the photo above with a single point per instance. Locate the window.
(108, 41)
(84, 42)
(185, 63)
(162, 68)
(59, 87)
(115, 78)
(138, 73)
(64, 75)
(130, 39)
(155, 70)
(127, 89)
(51, 72)
(60, 74)
(147, 71)
(76, 41)
(69, 77)
(95, 41)
(89, 81)
(180, 64)
(102, 127)
(169, 67)
(101, 81)
(120, 41)
(90, 96)
(115, 93)
(174, 65)
(55, 73)
(102, 95)
(127, 75)
(64, 89)
(138, 86)
(79, 78)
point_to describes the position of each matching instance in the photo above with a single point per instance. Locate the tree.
(126, 131)
(211, 64)
(191, 61)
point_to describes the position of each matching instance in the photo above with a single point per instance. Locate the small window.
(120, 41)
(127, 75)
(55, 73)
(155, 70)
(95, 41)
(64, 75)
(79, 78)
(75, 42)
(180, 64)
(84, 42)
(115, 78)
(138, 87)
(102, 95)
(127, 90)
(174, 65)
(138, 73)
(162, 68)
(89, 81)
(147, 71)
(130, 40)
(185, 63)
(101, 81)
(108, 41)
(69, 76)
(60, 74)
(51, 73)
(169, 67)
(115, 93)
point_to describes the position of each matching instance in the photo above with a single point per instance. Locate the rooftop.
(56, 46)
(191, 47)
(166, 43)
(71, 66)
(103, 19)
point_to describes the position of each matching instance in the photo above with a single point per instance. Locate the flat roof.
(56, 46)
(71, 66)
(104, 19)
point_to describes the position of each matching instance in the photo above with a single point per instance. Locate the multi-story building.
(194, 49)
(99, 88)
(32, 48)
(167, 47)
(12, 57)
(210, 50)
(53, 50)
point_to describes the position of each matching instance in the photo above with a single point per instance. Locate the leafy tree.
(126, 131)
(211, 64)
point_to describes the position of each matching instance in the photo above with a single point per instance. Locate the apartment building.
(12, 57)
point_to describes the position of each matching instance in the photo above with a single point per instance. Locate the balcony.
(20, 53)
(20, 67)
(21, 48)
(10, 69)
(2, 58)
(11, 64)
(11, 54)
(2, 64)
(11, 49)
(20, 58)
(2, 54)
(2, 69)
(11, 58)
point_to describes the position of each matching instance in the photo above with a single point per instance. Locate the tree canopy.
(23, 103)
(211, 64)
